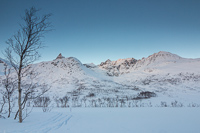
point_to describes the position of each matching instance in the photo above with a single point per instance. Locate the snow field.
(107, 120)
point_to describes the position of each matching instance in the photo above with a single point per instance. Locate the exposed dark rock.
(60, 56)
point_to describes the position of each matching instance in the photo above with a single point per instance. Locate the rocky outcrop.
(1, 61)
(60, 56)
(115, 68)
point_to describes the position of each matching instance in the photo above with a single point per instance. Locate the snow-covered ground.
(111, 88)
(107, 120)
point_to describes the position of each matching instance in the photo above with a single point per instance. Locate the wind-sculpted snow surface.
(107, 120)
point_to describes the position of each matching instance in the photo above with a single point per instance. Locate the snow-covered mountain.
(161, 62)
(168, 75)
(165, 62)
(69, 75)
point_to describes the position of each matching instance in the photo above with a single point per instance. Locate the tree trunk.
(1, 109)
(19, 97)
(16, 114)
(9, 106)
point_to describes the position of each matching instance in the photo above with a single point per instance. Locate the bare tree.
(23, 48)
(46, 103)
(8, 88)
(31, 91)
(2, 103)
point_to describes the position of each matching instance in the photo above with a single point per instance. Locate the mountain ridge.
(164, 73)
(150, 63)
(122, 66)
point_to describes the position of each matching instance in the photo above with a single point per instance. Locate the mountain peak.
(158, 58)
(60, 56)
(165, 55)
(127, 61)
(1, 61)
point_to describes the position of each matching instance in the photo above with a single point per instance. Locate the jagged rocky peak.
(120, 66)
(60, 56)
(127, 62)
(69, 60)
(108, 61)
(63, 63)
(1, 61)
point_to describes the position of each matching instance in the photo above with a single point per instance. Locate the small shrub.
(43, 102)
(90, 95)
(163, 104)
(64, 101)
(176, 104)
(145, 95)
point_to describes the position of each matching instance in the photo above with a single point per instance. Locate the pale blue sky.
(97, 30)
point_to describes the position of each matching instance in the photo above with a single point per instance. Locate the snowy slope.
(69, 75)
(165, 62)
(107, 120)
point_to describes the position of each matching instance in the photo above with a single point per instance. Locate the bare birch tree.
(2, 103)
(23, 47)
(8, 88)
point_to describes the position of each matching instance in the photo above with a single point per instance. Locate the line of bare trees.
(103, 102)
